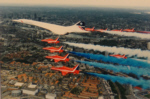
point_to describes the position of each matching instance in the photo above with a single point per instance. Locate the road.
(118, 91)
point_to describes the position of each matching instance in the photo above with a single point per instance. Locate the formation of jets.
(64, 70)
(79, 27)
(121, 30)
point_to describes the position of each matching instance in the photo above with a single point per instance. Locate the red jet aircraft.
(101, 30)
(129, 30)
(119, 56)
(51, 40)
(117, 30)
(65, 70)
(90, 29)
(145, 32)
(54, 49)
(59, 58)
(139, 88)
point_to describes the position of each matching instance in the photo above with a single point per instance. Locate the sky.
(91, 3)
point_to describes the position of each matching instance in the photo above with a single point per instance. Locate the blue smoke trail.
(124, 80)
(120, 68)
(121, 61)
(114, 49)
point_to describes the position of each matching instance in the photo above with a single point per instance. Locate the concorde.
(57, 29)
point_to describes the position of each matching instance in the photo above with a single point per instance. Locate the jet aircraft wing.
(52, 27)
(64, 73)
(57, 29)
(56, 60)
(56, 56)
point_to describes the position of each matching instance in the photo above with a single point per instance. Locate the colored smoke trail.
(120, 68)
(116, 50)
(135, 34)
(121, 61)
(124, 80)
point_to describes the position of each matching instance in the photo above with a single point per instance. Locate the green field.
(148, 96)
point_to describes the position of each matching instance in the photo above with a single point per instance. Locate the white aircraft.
(57, 29)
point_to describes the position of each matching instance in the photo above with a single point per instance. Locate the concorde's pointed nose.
(18, 20)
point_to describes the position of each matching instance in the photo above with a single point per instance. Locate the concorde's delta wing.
(60, 30)
(56, 29)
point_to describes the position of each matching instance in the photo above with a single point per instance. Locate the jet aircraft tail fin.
(67, 56)
(60, 47)
(76, 67)
(82, 24)
(124, 55)
(57, 39)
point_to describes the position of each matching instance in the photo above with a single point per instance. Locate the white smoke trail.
(134, 34)
(116, 50)
(148, 61)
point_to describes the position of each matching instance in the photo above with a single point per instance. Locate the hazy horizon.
(127, 4)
